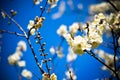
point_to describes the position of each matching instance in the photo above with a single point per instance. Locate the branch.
(115, 52)
(44, 8)
(28, 40)
(18, 25)
(15, 33)
(94, 56)
(35, 57)
(112, 5)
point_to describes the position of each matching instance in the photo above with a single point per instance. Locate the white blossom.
(62, 30)
(26, 73)
(45, 76)
(68, 38)
(21, 63)
(53, 76)
(59, 52)
(22, 45)
(13, 59)
(74, 77)
(52, 50)
(95, 39)
(80, 44)
(37, 2)
(71, 55)
(31, 24)
(102, 7)
(74, 28)
(52, 3)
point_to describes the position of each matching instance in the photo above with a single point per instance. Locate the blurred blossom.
(70, 3)
(71, 72)
(108, 58)
(71, 56)
(13, 59)
(53, 76)
(22, 45)
(21, 63)
(3, 15)
(62, 30)
(45, 76)
(80, 6)
(52, 50)
(52, 3)
(61, 10)
(74, 28)
(102, 7)
(37, 2)
(26, 73)
(59, 52)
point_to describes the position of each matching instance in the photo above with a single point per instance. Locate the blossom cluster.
(52, 3)
(91, 38)
(15, 59)
(35, 24)
(45, 76)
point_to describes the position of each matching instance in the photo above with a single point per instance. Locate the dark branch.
(14, 33)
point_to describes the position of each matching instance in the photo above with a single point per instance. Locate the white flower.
(13, 59)
(74, 28)
(31, 24)
(21, 63)
(80, 44)
(71, 55)
(68, 38)
(95, 39)
(22, 45)
(32, 32)
(74, 77)
(59, 52)
(37, 2)
(62, 30)
(27, 74)
(53, 76)
(45, 76)
(52, 3)
(52, 50)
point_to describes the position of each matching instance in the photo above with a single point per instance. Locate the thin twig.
(14, 33)
(18, 25)
(44, 8)
(28, 40)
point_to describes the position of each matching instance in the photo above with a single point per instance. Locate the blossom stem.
(44, 8)
(15, 33)
(18, 25)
